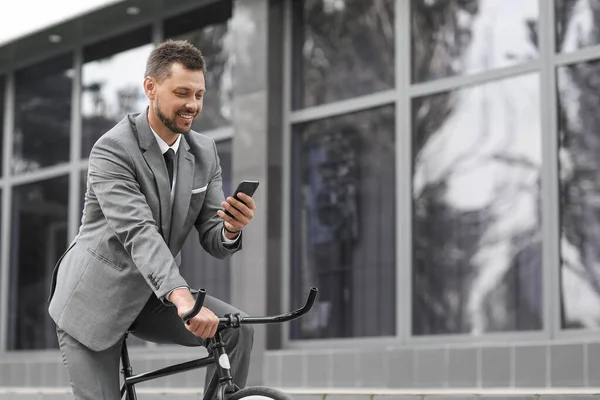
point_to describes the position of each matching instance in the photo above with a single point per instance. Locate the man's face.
(179, 98)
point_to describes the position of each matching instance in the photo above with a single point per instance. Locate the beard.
(170, 123)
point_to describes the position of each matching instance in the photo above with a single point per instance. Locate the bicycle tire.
(259, 393)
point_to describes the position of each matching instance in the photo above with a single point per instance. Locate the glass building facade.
(430, 166)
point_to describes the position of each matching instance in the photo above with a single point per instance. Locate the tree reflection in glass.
(477, 209)
(42, 129)
(112, 77)
(342, 49)
(38, 231)
(343, 225)
(463, 37)
(216, 110)
(580, 194)
(577, 24)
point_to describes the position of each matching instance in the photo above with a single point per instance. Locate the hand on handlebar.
(204, 324)
(181, 299)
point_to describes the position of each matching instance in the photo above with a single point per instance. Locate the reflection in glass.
(342, 49)
(199, 268)
(212, 41)
(577, 24)
(477, 261)
(39, 237)
(462, 37)
(43, 114)
(579, 85)
(112, 77)
(343, 225)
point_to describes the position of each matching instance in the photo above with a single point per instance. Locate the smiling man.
(151, 179)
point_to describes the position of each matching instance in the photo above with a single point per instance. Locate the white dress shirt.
(164, 147)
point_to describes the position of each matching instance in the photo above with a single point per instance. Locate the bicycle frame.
(225, 384)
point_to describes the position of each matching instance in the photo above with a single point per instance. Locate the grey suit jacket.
(130, 236)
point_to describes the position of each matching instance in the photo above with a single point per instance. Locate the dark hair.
(171, 52)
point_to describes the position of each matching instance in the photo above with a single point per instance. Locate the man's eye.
(180, 94)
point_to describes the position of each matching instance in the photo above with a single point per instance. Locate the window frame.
(401, 95)
(74, 166)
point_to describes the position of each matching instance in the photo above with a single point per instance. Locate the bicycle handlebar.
(235, 320)
(197, 307)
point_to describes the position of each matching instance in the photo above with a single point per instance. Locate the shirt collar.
(163, 145)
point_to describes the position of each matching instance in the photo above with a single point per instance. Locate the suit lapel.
(183, 189)
(156, 162)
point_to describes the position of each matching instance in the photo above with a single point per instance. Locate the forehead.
(181, 76)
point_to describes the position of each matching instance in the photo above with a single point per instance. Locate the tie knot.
(169, 154)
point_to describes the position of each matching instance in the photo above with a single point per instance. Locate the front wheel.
(259, 393)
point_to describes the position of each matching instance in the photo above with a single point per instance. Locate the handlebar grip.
(197, 307)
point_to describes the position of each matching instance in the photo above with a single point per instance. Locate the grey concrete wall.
(151, 394)
(572, 365)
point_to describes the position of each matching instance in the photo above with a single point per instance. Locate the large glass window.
(207, 29)
(477, 258)
(112, 77)
(43, 114)
(342, 49)
(200, 269)
(577, 24)
(38, 238)
(343, 225)
(460, 37)
(580, 194)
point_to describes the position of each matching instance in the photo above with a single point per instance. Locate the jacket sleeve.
(112, 178)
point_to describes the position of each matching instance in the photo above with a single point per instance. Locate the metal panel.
(9, 106)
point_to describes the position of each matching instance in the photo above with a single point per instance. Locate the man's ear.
(150, 87)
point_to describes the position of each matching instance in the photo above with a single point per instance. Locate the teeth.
(186, 116)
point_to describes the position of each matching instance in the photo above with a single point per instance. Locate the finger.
(233, 210)
(248, 200)
(238, 220)
(226, 217)
(209, 318)
(206, 331)
(198, 327)
(230, 223)
(191, 326)
(232, 228)
(241, 206)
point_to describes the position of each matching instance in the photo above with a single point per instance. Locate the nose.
(192, 107)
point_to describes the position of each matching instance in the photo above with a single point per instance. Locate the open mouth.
(187, 117)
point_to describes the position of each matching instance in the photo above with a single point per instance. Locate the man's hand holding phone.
(238, 209)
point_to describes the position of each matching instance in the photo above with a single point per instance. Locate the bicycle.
(226, 389)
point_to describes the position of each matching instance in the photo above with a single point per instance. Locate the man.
(150, 180)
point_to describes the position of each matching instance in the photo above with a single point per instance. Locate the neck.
(161, 130)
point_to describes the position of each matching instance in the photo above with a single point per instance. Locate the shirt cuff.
(169, 294)
(226, 240)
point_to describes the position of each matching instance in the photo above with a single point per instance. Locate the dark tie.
(169, 156)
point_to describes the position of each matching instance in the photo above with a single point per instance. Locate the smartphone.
(246, 187)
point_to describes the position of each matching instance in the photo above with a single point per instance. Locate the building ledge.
(355, 393)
